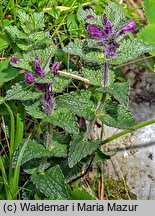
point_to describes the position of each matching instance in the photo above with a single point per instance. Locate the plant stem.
(105, 73)
(138, 126)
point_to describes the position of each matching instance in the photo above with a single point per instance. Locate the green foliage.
(87, 55)
(31, 35)
(51, 183)
(147, 34)
(60, 82)
(149, 8)
(78, 102)
(63, 118)
(79, 194)
(35, 150)
(33, 108)
(115, 115)
(94, 76)
(56, 154)
(7, 72)
(4, 41)
(130, 49)
(116, 15)
(80, 148)
(120, 91)
(21, 92)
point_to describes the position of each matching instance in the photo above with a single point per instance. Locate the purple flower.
(90, 17)
(99, 33)
(108, 25)
(48, 102)
(96, 32)
(15, 60)
(55, 68)
(111, 49)
(38, 69)
(29, 78)
(129, 27)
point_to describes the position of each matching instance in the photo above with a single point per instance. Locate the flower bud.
(38, 69)
(55, 68)
(15, 60)
(29, 78)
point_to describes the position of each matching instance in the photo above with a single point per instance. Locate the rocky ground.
(134, 161)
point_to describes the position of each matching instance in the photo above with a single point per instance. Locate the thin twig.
(73, 76)
(82, 175)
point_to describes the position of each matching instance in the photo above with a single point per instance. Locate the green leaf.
(147, 34)
(79, 194)
(51, 183)
(87, 55)
(101, 156)
(15, 33)
(24, 64)
(116, 15)
(34, 109)
(85, 13)
(63, 118)
(35, 150)
(60, 83)
(28, 191)
(72, 24)
(4, 41)
(130, 49)
(80, 148)
(22, 92)
(95, 76)
(116, 116)
(78, 102)
(120, 91)
(149, 8)
(35, 166)
(38, 20)
(7, 72)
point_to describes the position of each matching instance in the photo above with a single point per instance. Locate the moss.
(117, 190)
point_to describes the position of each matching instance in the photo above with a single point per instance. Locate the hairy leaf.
(96, 20)
(78, 48)
(120, 91)
(60, 83)
(24, 64)
(15, 33)
(78, 102)
(94, 76)
(116, 116)
(35, 150)
(51, 183)
(21, 92)
(80, 148)
(130, 49)
(63, 118)
(116, 15)
(34, 109)
(147, 34)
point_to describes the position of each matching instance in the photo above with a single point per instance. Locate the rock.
(134, 161)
